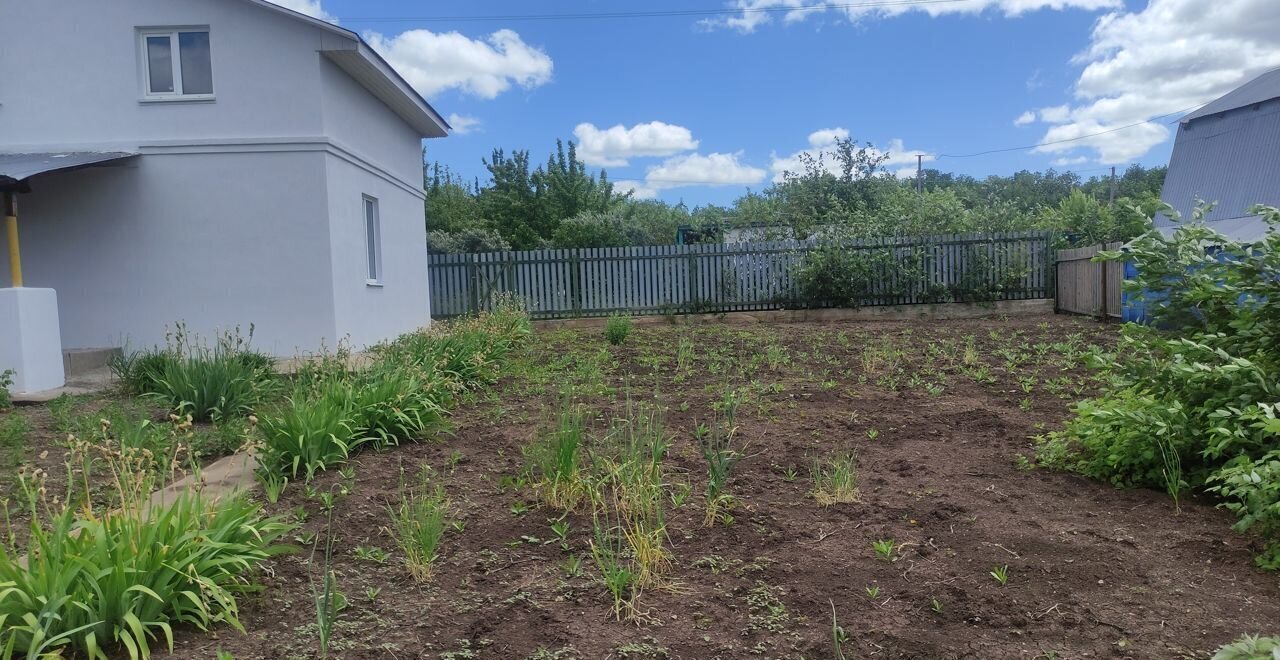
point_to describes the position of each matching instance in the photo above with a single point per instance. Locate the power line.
(655, 13)
(1073, 139)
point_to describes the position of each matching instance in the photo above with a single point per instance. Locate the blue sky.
(670, 104)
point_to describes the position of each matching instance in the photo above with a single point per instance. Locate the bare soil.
(1093, 571)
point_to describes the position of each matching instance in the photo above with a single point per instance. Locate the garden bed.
(940, 415)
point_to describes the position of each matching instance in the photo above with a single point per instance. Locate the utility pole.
(919, 187)
(1112, 201)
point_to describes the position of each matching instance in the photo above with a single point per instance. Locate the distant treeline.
(845, 192)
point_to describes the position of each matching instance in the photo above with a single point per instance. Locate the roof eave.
(414, 109)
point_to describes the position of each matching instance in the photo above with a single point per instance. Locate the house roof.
(367, 67)
(1250, 229)
(17, 168)
(1263, 88)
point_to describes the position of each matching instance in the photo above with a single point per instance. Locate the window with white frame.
(176, 63)
(372, 241)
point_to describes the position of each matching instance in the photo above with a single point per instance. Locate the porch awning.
(17, 168)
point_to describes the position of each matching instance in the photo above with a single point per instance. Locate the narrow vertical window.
(372, 241)
(159, 65)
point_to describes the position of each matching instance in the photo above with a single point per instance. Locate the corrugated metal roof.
(1233, 160)
(1263, 88)
(15, 168)
(1242, 230)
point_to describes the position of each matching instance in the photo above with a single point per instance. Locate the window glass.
(160, 65)
(371, 238)
(197, 71)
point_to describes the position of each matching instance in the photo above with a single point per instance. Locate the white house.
(218, 162)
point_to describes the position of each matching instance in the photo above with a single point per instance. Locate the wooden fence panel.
(1088, 287)
(564, 283)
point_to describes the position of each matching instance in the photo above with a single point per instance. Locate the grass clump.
(617, 328)
(554, 460)
(311, 431)
(717, 444)
(835, 479)
(226, 380)
(101, 584)
(418, 523)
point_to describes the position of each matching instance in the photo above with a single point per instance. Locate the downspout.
(11, 228)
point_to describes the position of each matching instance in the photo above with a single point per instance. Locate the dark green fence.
(678, 279)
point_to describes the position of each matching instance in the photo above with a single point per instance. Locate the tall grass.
(717, 443)
(554, 460)
(102, 584)
(418, 522)
(628, 486)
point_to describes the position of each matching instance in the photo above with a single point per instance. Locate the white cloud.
(1170, 56)
(1025, 118)
(612, 147)
(714, 169)
(638, 189)
(1068, 162)
(433, 62)
(462, 124)
(309, 7)
(754, 13)
(822, 143)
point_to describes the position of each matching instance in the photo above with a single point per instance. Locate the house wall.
(73, 78)
(246, 209)
(1229, 158)
(368, 314)
(215, 240)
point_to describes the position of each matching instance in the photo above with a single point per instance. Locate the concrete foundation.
(30, 339)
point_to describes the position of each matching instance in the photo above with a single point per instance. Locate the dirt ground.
(941, 419)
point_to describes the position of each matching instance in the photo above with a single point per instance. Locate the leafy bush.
(1252, 492)
(6, 381)
(617, 328)
(1250, 647)
(833, 275)
(1193, 402)
(100, 584)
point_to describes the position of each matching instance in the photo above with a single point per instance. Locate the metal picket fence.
(677, 279)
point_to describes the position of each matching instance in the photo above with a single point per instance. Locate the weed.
(935, 605)
(371, 553)
(716, 442)
(884, 548)
(1000, 574)
(835, 479)
(838, 636)
(418, 523)
(617, 328)
(873, 592)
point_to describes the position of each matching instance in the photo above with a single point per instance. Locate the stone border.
(938, 311)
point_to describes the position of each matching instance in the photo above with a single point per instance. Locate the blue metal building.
(1228, 153)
